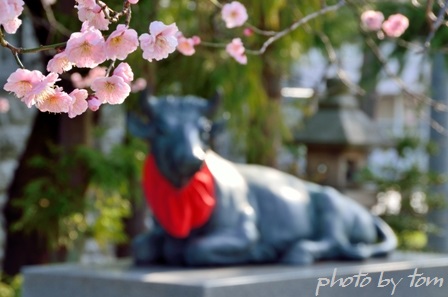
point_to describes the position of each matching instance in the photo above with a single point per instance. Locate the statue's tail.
(387, 239)
(387, 243)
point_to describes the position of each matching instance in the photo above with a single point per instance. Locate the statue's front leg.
(229, 246)
(218, 249)
(147, 248)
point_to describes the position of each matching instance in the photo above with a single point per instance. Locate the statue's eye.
(161, 128)
(204, 128)
(205, 125)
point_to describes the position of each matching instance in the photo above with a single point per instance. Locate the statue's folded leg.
(147, 248)
(305, 252)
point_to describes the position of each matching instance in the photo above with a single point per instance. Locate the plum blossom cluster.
(34, 88)
(394, 26)
(90, 48)
(234, 15)
(236, 50)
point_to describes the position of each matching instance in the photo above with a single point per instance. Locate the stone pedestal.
(399, 275)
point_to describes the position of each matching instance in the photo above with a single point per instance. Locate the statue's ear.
(219, 125)
(213, 104)
(146, 102)
(137, 127)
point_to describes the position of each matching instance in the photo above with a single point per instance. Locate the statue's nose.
(190, 161)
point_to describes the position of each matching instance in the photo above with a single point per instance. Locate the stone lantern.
(338, 138)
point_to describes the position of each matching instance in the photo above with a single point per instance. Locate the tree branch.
(296, 25)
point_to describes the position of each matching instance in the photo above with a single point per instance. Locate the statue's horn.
(214, 103)
(145, 102)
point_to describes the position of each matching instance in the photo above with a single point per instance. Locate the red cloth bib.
(179, 211)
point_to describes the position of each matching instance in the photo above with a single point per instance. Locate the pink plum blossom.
(86, 49)
(133, 1)
(93, 16)
(236, 50)
(234, 14)
(10, 10)
(79, 102)
(248, 32)
(12, 25)
(59, 63)
(196, 40)
(41, 90)
(56, 101)
(94, 104)
(84, 82)
(372, 20)
(186, 45)
(124, 71)
(97, 72)
(138, 85)
(121, 43)
(160, 42)
(77, 80)
(21, 81)
(113, 89)
(395, 25)
(4, 105)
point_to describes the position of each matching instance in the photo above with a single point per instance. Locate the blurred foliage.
(10, 286)
(408, 216)
(66, 215)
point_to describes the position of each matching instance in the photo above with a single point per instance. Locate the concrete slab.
(402, 274)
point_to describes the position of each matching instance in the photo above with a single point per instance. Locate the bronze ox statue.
(210, 211)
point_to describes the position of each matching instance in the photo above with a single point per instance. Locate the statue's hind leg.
(331, 230)
(306, 252)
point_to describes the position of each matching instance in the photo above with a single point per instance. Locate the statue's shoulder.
(224, 171)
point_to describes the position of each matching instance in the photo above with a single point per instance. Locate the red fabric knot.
(179, 211)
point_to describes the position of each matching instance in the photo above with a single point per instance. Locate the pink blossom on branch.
(57, 101)
(236, 50)
(42, 90)
(234, 14)
(395, 25)
(121, 43)
(133, 1)
(21, 81)
(59, 63)
(84, 82)
(93, 16)
(79, 103)
(372, 20)
(94, 104)
(248, 32)
(124, 71)
(113, 89)
(86, 49)
(138, 85)
(160, 42)
(186, 45)
(12, 25)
